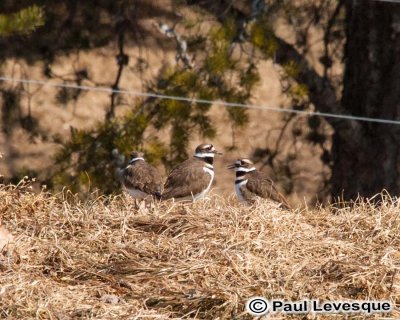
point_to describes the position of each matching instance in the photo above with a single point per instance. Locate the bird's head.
(242, 165)
(206, 150)
(136, 155)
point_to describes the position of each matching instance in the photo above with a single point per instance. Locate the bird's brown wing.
(261, 185)
(142, 176)
(185, 180)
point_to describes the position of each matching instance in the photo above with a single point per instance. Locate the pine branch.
(21, 22)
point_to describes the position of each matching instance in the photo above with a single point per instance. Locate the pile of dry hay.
(103, 259)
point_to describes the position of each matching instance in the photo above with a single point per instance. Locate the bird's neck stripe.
(204, 155)
(135, 159)
(241, 169)
(209, 166)
(240, 173)
(205, 158)
(209, 171)
(241, 180)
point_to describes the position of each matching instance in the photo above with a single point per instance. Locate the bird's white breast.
(238, 191)
(205, 191)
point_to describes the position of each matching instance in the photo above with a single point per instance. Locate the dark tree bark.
(367, 159)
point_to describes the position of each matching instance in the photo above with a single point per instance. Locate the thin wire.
(204, 101)
(393, 1)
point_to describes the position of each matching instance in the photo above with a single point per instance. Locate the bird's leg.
(136, 203)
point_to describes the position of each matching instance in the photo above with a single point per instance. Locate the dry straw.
(103, 259)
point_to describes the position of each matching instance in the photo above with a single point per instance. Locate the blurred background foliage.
(208, 67)
(21, 22)
(219, 49)
(88, 159)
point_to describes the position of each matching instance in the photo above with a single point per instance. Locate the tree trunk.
(369, 161)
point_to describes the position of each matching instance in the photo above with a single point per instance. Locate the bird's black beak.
(231, 166)
(217, 152)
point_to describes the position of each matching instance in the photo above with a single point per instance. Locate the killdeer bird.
(140, 179)
(192, 179)
(251, 184)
